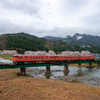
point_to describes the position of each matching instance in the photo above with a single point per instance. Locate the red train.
(40, 58)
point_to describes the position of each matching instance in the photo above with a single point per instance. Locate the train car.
(41, 58)
(66, 58)
(87, 57)
(33, 58)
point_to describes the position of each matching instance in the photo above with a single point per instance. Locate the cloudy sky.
(50, 17)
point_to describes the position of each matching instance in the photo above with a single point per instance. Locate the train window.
(36, 57)
(21, 57)
(39, 57)
(87, 57)
(30, 57)
(14, 56)
(46, 57)
(33, 57)
(25, 57)
(70, 57)
(58, 57)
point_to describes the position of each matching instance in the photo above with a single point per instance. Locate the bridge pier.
(23, 71)
(98, 64)
(90, 66)
(66, 70)
(47, 70)
(79, 66)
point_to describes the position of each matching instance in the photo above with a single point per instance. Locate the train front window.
(15, 57)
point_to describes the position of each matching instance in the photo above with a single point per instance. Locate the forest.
(25, 42)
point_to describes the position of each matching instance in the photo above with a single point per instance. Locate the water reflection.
(66, 73)
(84, 75)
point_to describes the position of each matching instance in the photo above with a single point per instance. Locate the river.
(85, 76)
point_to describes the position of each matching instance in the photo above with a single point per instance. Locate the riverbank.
(7, 57)
(13, 87)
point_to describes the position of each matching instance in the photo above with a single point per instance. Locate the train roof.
(49, 55)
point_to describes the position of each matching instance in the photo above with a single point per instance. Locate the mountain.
(25, 42)
(52, 38)
(85, 40)
(81, 40)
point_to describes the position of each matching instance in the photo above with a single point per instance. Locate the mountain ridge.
(26, 42)
(80, 39)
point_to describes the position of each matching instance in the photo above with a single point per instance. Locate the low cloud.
(52, 17)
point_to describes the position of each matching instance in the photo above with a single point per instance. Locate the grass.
(8, 57)
(3, 55)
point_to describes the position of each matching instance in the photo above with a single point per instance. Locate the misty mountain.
(79, 39)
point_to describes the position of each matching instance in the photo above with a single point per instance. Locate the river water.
(85, 76)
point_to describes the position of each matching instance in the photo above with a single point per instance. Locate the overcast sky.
(50, 17)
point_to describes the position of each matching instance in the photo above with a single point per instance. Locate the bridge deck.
(10, 66)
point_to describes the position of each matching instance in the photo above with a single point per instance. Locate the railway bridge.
(65, 64)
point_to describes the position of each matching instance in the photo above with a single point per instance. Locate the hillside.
(25, 42)
(78, 39)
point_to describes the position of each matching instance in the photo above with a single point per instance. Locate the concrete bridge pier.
(23, 71)
(47, 70)
(66, 70)
(79, 66)
(47, 73)
(98, 64)
(90, 65)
